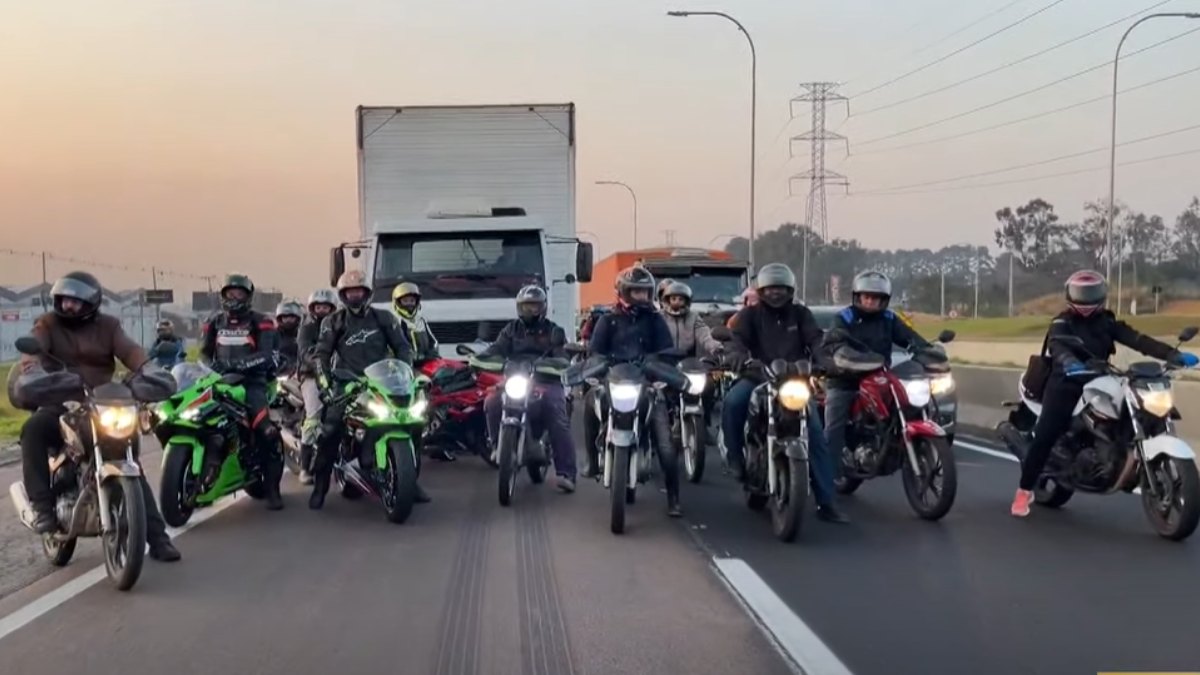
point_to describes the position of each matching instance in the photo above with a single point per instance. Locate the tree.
(1031, 233)
(1187, 236)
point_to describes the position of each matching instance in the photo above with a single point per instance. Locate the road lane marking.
(987, 451)
(788, 630)
(44, 603)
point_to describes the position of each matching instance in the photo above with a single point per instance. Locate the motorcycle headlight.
(379, 409)
(516, 387)
(418, 407)
(625, 396)
(696, 383)
(794, 395)
(1157, 402)
(942, 384)
(918, 392)
(117, 421)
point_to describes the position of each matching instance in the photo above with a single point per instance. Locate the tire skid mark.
(545, 642)
(459, 632)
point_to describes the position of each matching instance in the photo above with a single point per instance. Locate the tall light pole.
(631, 194)
(753, 107)
(1112, 150)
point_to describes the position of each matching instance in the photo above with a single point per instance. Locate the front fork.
(102, 501)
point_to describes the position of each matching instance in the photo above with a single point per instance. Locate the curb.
(10, 454)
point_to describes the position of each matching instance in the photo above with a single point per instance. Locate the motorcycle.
(287, 411)
(892, 427)
(522, 438)
(686, 413)
(1122, 437)
(384, 414)
(95, 477)
(456, 420)
(630, 393)
(207, 440)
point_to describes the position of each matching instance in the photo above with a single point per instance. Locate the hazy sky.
(210, 135)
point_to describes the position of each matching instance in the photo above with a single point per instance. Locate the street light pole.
(1112, 150)
(753, 106)
(631, 194)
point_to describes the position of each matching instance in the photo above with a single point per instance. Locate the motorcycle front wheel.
(694, 439)
(508, 464)
(1175, 511)
(400, 493)
(124, 546)
(177, 486)
(617, 488)
(790, 498)
(932, 494)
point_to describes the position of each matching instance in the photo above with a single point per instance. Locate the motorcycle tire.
(174, 485)
(935, 449)
(125, 547)
(507, 452)
(1050, 494)
(618, 490)
(694, 453)
(57, 551)
(402, 475)
(788, 505)
(1185, 499)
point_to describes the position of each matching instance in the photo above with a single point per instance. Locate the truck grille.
(453, 332)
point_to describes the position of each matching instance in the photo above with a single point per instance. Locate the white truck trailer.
(471, 203)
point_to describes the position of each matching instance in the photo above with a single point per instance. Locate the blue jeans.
(821, 462)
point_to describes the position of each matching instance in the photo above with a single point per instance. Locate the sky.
(204, 136)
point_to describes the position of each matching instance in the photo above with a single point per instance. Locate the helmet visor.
(74, 288)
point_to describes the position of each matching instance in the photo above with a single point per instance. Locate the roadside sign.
(158, 296)
(10, 315)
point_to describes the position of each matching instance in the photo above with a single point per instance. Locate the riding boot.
(320, 489)
(272, 475)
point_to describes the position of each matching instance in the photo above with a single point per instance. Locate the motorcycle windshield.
(188, 374)
(393, 376)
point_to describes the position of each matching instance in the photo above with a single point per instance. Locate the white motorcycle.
(1122, 437)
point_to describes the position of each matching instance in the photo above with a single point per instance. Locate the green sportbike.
(208, 448)
(384, 419)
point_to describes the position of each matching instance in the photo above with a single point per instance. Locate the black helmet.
(631, 279)
(236, 306)
(80, 286)
(676, 288)
(776, 285)
(531, 303)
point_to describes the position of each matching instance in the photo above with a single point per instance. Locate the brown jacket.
(90, 349)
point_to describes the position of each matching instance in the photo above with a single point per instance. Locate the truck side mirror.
(337, 264)
(583, 262)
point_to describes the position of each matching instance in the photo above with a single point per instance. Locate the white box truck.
(471, 203)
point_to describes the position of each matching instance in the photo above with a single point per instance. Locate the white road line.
(43, 604)
(792, 635)
(985, 450)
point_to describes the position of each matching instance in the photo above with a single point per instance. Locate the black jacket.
(765, 333)
(877, 331)
(289, 350)
(243, 344)
(306, 345)
(543, 338)
(1100, 333)
(628, 335)
(359, 341)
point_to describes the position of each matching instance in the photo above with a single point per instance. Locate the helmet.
(531, 303)
(661, 291)
(404, 290)
(166, 326)
(288, 315)
(352, 280)
(80, 286)
(322, 296)
(237, 305)
(631, 280)
(673, 289)
(775, 285)
(1086, 292)
(871, 283)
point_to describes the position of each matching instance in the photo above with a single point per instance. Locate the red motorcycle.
(456, 421)
(892, 427)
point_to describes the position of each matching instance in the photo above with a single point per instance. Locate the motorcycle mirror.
(946, 336)
(1185, 335)
(464, 350)
(29, 346)
(722, 334)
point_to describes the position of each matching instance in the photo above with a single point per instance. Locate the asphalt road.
(468, 587)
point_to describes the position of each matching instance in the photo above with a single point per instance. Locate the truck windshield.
(708, 286)
(447, 265)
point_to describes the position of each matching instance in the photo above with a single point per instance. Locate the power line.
(1027, 118)
(960, 50)
(1010, 64)
(160, 271)
(1022, 94)
(1015, 181)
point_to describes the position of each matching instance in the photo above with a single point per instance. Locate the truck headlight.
(941, 384)
(516, 387)
(117, 421)
(794, 395)
(625, 396)
(918, 392)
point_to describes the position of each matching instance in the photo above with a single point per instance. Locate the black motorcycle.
(687, 414)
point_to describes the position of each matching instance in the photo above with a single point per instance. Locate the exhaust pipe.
(21, 503)
(1013, 439)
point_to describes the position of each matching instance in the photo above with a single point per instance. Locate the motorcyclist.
(406, 300)
(869, 323)
(1085, 318)
(533, 335)
(288, 315)
(177, 352)
(321, 303)
(689, 333)
(776, 327)
(357, 336)
(748, 298)
(633, 330)
(239, 339)
(88, 342)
